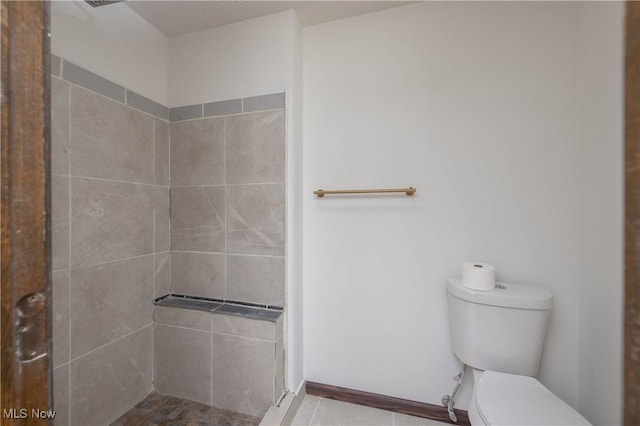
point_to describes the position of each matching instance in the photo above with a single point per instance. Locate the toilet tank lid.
(508, 399)
(521, 296)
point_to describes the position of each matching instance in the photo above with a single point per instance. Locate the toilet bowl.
(509, 399)
(499, 334)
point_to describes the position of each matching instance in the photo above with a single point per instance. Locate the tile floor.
(163, 410)
(321, 411)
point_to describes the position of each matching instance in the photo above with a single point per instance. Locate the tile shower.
(149, 202)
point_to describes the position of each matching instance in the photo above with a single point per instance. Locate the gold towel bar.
(321, 192)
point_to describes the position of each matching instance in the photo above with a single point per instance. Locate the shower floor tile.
(158, 409)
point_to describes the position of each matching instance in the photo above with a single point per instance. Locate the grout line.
(220, 185)
(315, 410)
(277, 256)
(110, 261)
(69, 405)
(183, 327)
(226, 200)
(109, 343)
(154, 152)
(256, 339)
(211, 364)
(117, 181)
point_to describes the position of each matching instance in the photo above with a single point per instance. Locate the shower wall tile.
(264, 102)
(61, 395)
(60, 316)
(243, 374)
(256, 219)
(256, 279)
(161, 218)
(215, 109)
(246, 327)
(109, 221)
(198, 274)
(198, 218)
(59, 222)
(255, 147)
(59, 126)
(162, 275)
(161, 152)
(279, 370)
(55, 65)
(108, 382)
(187, 112)
(91, 81)
(197, 152)
(147, 105)
(178, 317)
(109, 301)
(109, 140)
(182, 363)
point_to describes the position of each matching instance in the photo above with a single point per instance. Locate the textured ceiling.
(175, 17)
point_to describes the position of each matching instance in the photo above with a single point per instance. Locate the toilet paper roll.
(478, 276)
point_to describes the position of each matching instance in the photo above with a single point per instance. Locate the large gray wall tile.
(255, 219)
(255, 147)
(243, 374)
(162, 277)
(263, 102)
(61, 395)
(60, 221)
(182, 363)
(109, 140)
(108, 382)
(161, 152)
(109, 221)
(186, 318)
(256, 279)
(162, 220)
(59, 126)
(198, 274)
(108, 301)
(91, 81)
(198, 218)
(197, 152)
(147, 105)
(244, 327)
(60, 308)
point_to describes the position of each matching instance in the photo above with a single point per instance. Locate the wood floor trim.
(383, 402)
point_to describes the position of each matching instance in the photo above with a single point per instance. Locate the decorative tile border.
(228, 107)
(77, 75)
(228, 307)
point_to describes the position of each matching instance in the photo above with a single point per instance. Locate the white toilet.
(499, 334)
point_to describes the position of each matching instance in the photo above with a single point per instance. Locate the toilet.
(499, 334)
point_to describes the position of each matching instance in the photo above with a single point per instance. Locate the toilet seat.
(508, 399)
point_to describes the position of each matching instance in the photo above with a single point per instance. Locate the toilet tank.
(500, 330)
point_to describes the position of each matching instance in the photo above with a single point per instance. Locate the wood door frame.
(25, 213)
(631, 405)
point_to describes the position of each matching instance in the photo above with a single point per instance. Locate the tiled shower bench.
(220, 353)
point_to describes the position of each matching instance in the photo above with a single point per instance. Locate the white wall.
(601, 88)
(232, 61)
(113, 42)
(476, 105)
(295, 317)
